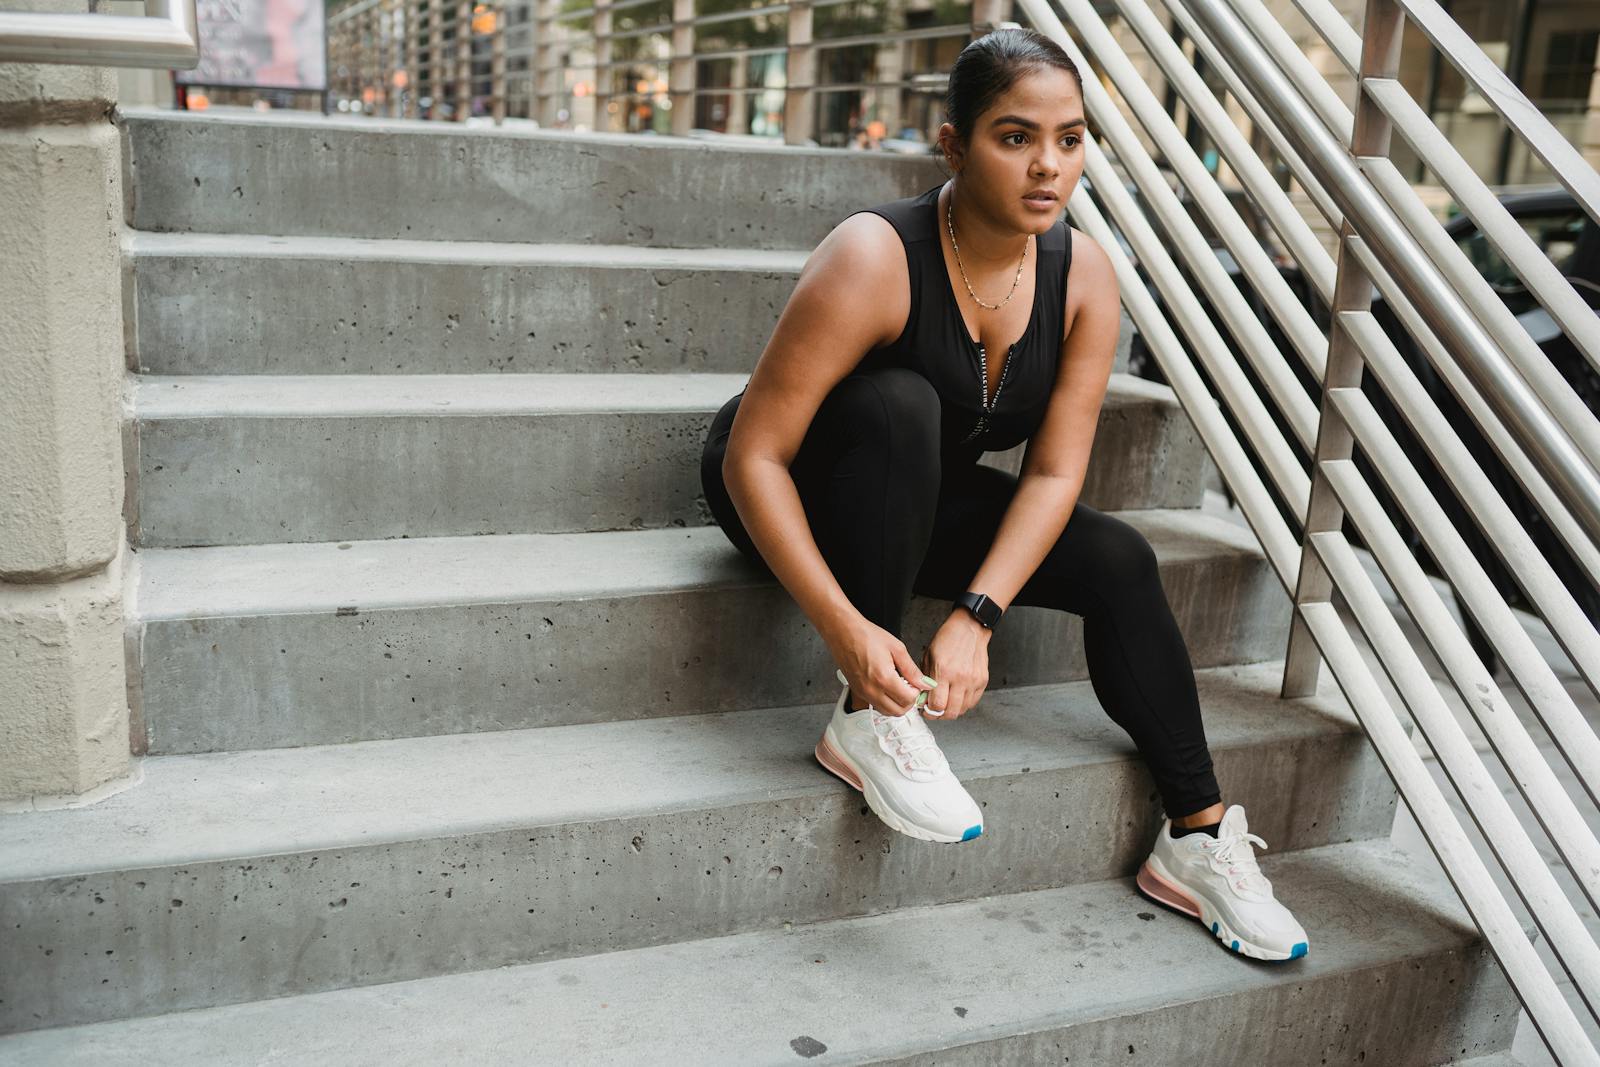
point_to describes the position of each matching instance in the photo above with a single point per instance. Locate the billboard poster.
(261, 44)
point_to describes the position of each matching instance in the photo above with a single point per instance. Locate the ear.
(950, 144)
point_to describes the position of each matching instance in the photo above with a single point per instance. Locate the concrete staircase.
(469, 739)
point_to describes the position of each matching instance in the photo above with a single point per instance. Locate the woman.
(847, 469)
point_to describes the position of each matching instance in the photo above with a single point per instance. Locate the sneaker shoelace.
(913, 743)
(1234, 850)
(907, 738)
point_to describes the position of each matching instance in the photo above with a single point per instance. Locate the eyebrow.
(1029, 124)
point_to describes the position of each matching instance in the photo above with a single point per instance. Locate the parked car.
(1571, 240)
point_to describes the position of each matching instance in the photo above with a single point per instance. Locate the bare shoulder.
(851, 296)
(858, 270)
(1091, 280)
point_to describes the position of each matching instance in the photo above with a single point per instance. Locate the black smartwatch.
(986, 611)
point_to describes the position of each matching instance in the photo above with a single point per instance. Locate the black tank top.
(935, 341)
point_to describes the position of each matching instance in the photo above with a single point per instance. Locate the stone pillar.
(63, 692)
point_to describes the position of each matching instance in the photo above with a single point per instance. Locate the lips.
(1041, 195)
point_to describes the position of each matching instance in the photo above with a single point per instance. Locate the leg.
(1104, 570)
(868, 474)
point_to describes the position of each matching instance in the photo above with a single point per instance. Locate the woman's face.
(1029, 142)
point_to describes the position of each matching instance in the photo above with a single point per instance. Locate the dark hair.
(990, 65)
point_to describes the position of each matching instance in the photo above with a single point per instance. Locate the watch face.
(984, 609)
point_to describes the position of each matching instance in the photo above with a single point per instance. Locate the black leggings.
(891, 522)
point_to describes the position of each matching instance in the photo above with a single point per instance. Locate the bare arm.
(852, 295)
(1057, 458)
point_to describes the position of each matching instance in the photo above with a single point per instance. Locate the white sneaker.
(897, 765)
(1216, 880)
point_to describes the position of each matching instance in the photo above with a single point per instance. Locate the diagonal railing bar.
(1287, 474)
(1544, 280)
(1551, 704)
(1558, 1027)
(1546, 283)
(1341, 38)
(1555, 511)
(1288, 478)
(1553, 600)
(1558, 454)
(1512, 338)
(1245, 247)
(1520, 113)
(1248, 488)
(1485, 313)
(1263, 122)
(1311, 90)
(1527, 871)
(1554, 914)
(1574, 631)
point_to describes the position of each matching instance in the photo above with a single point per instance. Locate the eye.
(1013, 134)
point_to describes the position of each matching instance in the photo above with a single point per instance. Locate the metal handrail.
(1558, 431)
(1341, 158)
(1420, 409)
(168, 37)
(1545, 283)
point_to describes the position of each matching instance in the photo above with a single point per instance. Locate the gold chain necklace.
(949, 225)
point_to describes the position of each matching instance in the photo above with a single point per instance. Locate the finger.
(938, 702)
(958, 702)
(895, 695)
(910, 673)
(939, 695)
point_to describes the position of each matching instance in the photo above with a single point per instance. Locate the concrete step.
(276, 645)
(1090, 974)
(253, 459)
(233, 877)
(213, 304)
(291, 175)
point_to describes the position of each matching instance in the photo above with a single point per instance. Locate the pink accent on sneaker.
(1164, 891)
(835, 763)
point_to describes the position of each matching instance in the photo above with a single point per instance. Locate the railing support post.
(463, 71)
(1352, 291)
(497, 64)
(546, 86)
(602, 65)
(799, 101)
(681, 75)
(435, 56)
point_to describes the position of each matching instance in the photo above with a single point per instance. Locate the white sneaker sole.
(840, 764)
(1157, 884)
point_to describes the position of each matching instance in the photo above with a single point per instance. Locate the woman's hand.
(878, 665)
(958, 656)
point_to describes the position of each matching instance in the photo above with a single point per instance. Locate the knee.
(1107, 555)
(1126, 559)
(896, 406)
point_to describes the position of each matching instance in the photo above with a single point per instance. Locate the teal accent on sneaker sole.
(971, 832)
(1299, 950)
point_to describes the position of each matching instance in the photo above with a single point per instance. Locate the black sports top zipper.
(984, 402)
